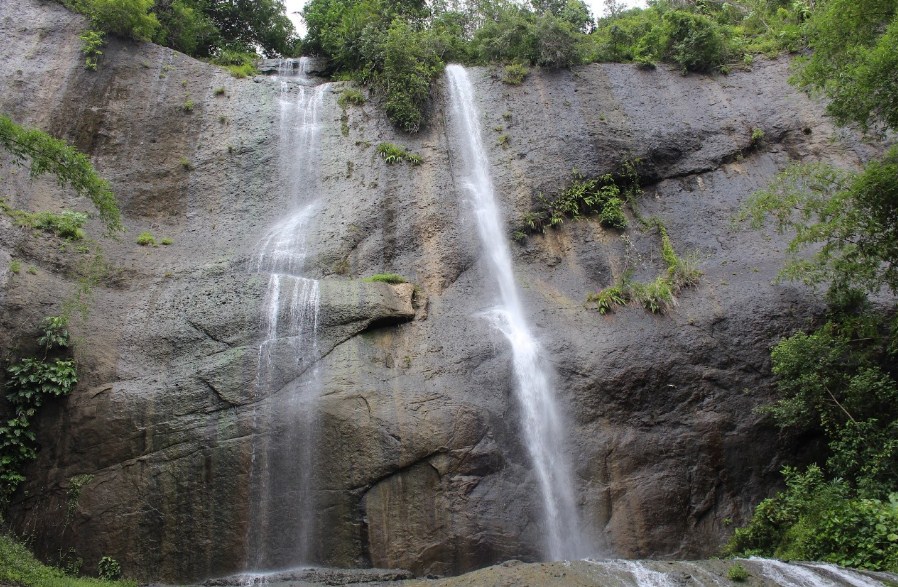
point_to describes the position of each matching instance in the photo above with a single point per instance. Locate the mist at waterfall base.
(283, 526)
(542, 428)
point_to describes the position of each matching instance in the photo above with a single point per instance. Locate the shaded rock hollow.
(420, 462)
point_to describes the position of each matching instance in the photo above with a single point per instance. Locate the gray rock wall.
(420, 463)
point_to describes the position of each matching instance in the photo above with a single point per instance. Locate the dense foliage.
(71, 167)
(400, 47)
(202, 28)
(840, 380)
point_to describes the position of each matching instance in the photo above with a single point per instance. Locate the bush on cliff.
(19, 567)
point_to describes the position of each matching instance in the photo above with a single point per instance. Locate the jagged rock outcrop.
(420, 460)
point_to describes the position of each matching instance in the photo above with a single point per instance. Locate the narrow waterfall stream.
(542, 426)
(282, 527)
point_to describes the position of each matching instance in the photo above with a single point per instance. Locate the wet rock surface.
(420, 464)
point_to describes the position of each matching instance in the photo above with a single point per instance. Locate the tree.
(841, 379)
(854, 60)
(71, 167)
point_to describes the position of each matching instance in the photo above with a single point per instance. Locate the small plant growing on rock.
(166, 241)
(146, 239)
(15, 266)
(91, 41)
(188, 106)
(391, 278)
(392, 154)
(503, 141)
(186, 164)
(219, 91)
(737, 573)
(757, 137)
(514, 74)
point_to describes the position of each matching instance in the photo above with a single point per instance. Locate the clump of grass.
(502, 141)
(186, 164)
(395, 154)
(66, 224)
(391, 278)
(737, 573)
(514, 74)
(166, 241)
(350, 96)
(219, 91)
(15, 266)
(657, 295)
(188, 106)
(19, 567)
(146, 239)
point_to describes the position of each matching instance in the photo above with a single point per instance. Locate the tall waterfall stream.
(282, 528)
(542, 427)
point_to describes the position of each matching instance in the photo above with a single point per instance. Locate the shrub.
(350, 96)
(15, 266)
(91, 41)
(391, 278)
(409, 67)
(19, 567)
(693, 41)
(241, 64)
(188, 105)
(109, 569)
(737, 573)
(146, 239)
(126, 18)
(514, 74)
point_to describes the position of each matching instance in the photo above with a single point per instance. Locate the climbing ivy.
(31, 381)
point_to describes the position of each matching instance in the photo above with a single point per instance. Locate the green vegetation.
(655, 296)
(602, 196)
(241, 64)
(31, 381)
(514, 74)
(395, 154)
(201, 28)
(109, 569)
(15, 266)
(19, 567)
(737, 573)
(91, 42)
(854, 60)
(350, 96)
(219, 92)
(188, 106)
(391, 278)
(66, 224)
(146, 239)
(839, 381)
(71, 168)
(166, 241)
(399, 48)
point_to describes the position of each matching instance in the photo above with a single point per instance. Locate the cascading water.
(542, 425)
(282, 510)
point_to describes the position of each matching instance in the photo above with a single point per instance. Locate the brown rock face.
(418, 460)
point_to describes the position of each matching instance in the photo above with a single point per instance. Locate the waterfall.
(542, 426)
(282, 525)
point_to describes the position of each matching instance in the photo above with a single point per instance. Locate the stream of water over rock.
(282, 528)
(542, 426)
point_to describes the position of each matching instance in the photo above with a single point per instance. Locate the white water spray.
(282, 526)
(542, 426)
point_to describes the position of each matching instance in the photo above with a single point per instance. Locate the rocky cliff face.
(420, 464)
